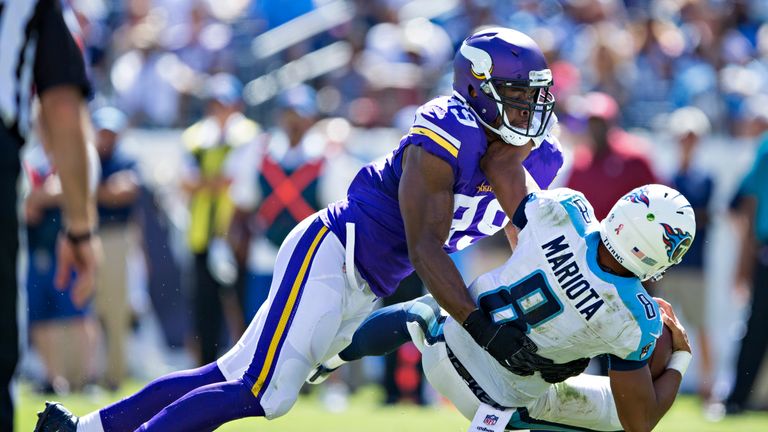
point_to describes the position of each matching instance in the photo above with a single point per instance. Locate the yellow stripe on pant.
(287, 310)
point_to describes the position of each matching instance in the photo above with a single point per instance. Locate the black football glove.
(527, 359)
(506, 343)
(559, 372)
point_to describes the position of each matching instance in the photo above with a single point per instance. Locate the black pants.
(9, 245)
(755, 341)
(208, 310)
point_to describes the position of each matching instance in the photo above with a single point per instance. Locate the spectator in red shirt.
(611, 160)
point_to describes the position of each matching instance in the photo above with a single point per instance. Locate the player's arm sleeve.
(435, 137)
(58, 60)
(635, 341)
(642, 350)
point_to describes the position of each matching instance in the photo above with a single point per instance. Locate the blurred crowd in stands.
(281, 102)
(152, 58)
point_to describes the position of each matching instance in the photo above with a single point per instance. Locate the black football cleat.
(56, 418)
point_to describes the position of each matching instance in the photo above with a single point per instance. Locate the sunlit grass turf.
(366, 414)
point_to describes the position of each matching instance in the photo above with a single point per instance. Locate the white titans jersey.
(554, 285)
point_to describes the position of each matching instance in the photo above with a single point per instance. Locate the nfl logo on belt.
(491, 419)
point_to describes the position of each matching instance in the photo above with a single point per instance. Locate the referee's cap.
(111, 119)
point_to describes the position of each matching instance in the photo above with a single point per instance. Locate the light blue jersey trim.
(644, 309)
(624, 283)
(580, 212)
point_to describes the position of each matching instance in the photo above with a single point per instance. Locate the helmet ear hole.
(471, 90)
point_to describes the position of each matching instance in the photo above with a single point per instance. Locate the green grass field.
(365, 414)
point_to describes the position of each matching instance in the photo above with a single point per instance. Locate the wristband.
(76, 239)
(680, 361)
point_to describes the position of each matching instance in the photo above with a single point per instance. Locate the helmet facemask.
(536, 109)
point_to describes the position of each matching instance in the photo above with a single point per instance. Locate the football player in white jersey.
(575, 283)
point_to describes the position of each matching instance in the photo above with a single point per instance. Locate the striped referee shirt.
(37, 52)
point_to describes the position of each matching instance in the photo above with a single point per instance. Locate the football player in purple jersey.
(454, 178)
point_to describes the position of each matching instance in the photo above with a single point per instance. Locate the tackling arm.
(426, 203)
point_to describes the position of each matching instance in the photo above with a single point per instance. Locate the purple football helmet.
(497, 58)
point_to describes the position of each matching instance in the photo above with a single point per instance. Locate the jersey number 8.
(530, 299)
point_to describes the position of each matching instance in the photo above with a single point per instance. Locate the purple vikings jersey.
(444, 128)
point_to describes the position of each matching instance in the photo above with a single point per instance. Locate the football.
(661, 353)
